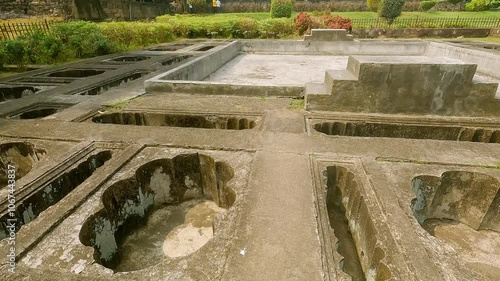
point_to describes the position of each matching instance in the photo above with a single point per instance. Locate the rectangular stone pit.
(409, 130)
(203, 121)
(356, 241)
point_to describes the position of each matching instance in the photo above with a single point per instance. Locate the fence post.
(4, 34)
(47, 25)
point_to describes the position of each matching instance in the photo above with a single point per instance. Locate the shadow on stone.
(176, 120)
(28, 209)
(407, 131)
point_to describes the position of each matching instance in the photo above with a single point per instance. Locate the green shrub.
(42, 48)
(281, 8)
(16, 51)
(82, 39)
(427, 5)
(135, 35)
(493, 3)
(246, 28)
(390, 9)
(476, 6)
(3, 55)
(454, 1)
(276, 28)
(373, 5)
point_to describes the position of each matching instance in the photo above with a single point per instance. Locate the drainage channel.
(165, 210)
(30, 208)
(352, 229)
(345, 245)
(408, 131)
(115, 83)
(177, 120)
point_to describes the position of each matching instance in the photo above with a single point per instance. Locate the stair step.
(316, 89)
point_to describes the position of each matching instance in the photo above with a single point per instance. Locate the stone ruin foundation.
(255, 160)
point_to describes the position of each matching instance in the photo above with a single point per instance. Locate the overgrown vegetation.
(297, 104)
(476, 6)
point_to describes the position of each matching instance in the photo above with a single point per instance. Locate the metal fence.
(14, 30)
(417, 22)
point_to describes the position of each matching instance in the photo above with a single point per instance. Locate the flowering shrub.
(304, 22)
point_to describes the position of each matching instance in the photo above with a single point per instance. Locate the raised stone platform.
(404, 84)
(328, 35)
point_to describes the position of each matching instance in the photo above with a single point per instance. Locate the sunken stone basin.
(466, 197)
(166, 210)
(19, 154)
(461, 210)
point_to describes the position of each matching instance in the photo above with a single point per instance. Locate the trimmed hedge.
(390, 9)
(427, 5)
(281, 8)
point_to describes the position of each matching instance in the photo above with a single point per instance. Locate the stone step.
(316, 89)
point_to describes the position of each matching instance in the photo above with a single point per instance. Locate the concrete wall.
(118, 9)
(495, 32)
(420, 32)
(187, 78)
(84, 9)
(335, 48)
(487, 62)
(201, 67)
(15, 8)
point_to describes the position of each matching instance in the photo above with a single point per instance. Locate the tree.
(25, 4)
(372, 5)
(390, 9)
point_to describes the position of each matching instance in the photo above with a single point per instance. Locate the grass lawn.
(369, 15)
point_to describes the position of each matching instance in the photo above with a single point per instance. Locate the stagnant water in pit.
(145, 246)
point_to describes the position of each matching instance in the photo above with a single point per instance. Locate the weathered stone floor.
(269, 187)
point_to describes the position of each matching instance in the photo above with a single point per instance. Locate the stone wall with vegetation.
(84, 9)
